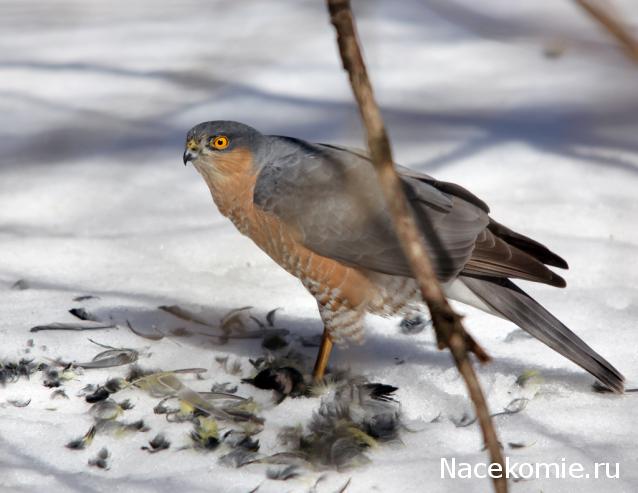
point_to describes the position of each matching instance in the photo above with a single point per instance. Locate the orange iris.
(220, 142)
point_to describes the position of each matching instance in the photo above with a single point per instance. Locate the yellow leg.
(323, 356)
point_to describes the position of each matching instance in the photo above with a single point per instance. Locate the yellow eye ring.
(220, 142)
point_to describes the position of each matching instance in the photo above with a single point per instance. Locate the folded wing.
(330, 197)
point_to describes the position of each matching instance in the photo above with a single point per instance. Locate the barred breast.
(344, 294)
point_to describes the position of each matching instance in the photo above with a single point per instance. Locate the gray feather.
(512, 303)
(331, 197)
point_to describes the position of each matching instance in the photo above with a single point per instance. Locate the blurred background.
(512, 100)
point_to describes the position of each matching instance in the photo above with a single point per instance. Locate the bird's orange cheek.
(233, 163)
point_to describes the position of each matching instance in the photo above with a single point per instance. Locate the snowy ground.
(95, 100)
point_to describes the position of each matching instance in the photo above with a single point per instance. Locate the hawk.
(317, 210)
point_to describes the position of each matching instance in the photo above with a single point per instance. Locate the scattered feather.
(415, 324)
(87, 325)
(153, 337)
(102, 392)
(319, 480)
(82, 314)
(270, 317)
(165, 384)
(110, 358)
(285, 381)
(518, 445)
(157, 444)
(283, 474)
(528, 377)
(11, 372)
(84, 441)
(120, 428)
(206, 433)
(516, 406)
(216, 396)
(382, 427)
(58, 394)
(354, 416)
(380, 391)
(344, 487)
(162, 408)
(239, 439)
(291, 435)
(225, 387)
(237, 458)
(233, 321)
(19, 402)
(106, 409)
(180, 332)
(89, 388)
(52, 378)
(114, 357)
(98, 395)
(101, 459)
(232, 368)
(184, 413)
(291, 358)
(274, 342)
(286, 458)
(135, 372)
(184, 315)
(126, 405)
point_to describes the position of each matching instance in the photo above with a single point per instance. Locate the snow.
(95, 102)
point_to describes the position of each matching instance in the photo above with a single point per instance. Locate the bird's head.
(222, 148)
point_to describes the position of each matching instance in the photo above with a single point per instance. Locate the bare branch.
(613, 25)
(447, 324)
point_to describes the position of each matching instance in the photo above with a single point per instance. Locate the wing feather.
(494, 257)
(331, 198)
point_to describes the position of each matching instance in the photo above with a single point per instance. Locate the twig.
(613, 25)
(447, 324)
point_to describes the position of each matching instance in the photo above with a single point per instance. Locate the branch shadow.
(87, 133)
(379, 350)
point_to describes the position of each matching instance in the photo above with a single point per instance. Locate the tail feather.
(508, 300)
(532, 247)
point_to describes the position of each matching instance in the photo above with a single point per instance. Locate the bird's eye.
(220, 142)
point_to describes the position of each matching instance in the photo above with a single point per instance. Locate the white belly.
(458, 291)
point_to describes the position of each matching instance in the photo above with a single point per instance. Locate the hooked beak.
(191, 151)
(188, 156)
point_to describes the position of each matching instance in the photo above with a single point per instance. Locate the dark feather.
(532, 247)
(493, 257)
(507, 299)
(445, 187)
(442, 186)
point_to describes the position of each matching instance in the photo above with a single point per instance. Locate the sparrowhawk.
(318, 211)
